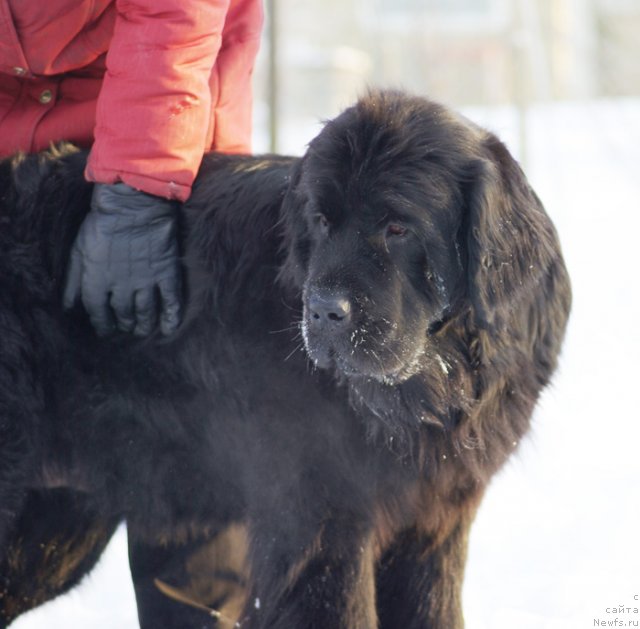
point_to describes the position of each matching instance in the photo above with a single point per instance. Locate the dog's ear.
(510, 240)
(296, 241)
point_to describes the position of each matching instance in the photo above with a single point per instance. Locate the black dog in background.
(408, 255)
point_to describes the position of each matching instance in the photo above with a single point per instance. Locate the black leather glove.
(124, 263)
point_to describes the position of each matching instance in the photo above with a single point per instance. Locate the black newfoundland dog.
(368, 330)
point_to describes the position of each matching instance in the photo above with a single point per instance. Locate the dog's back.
(88, 426)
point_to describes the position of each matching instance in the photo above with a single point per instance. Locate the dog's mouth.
(364, 352)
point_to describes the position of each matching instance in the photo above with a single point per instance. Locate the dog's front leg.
(323, 581)
(419, 580)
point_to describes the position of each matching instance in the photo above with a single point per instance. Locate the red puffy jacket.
(176, 81)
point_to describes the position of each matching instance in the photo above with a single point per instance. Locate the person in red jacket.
(149, 85)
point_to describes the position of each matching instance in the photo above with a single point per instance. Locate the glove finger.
(123, 310)
(171, 300)
(73, 279)
(96, 303)
(146, 314)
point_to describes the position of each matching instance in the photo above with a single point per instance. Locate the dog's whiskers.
(294, 326)
(295, 349)
(289, 306)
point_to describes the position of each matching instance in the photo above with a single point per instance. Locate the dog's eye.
(393, 229)
(322, 222)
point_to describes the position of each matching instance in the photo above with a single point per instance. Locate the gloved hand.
(124, 263)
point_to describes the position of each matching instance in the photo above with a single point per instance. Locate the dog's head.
(401, 215)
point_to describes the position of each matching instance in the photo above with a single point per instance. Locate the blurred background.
(556, 542)
(317, 56)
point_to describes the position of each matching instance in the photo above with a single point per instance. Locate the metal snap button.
(45, 97)
(18, 71)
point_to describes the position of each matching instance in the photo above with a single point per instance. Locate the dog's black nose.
(329, 309)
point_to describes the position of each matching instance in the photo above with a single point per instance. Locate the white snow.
(443, 365)
(556, 539)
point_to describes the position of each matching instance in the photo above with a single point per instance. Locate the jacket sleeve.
(154, 108)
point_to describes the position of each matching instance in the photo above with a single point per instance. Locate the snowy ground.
(556, 542)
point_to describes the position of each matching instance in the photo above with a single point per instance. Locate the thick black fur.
(368, 330)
